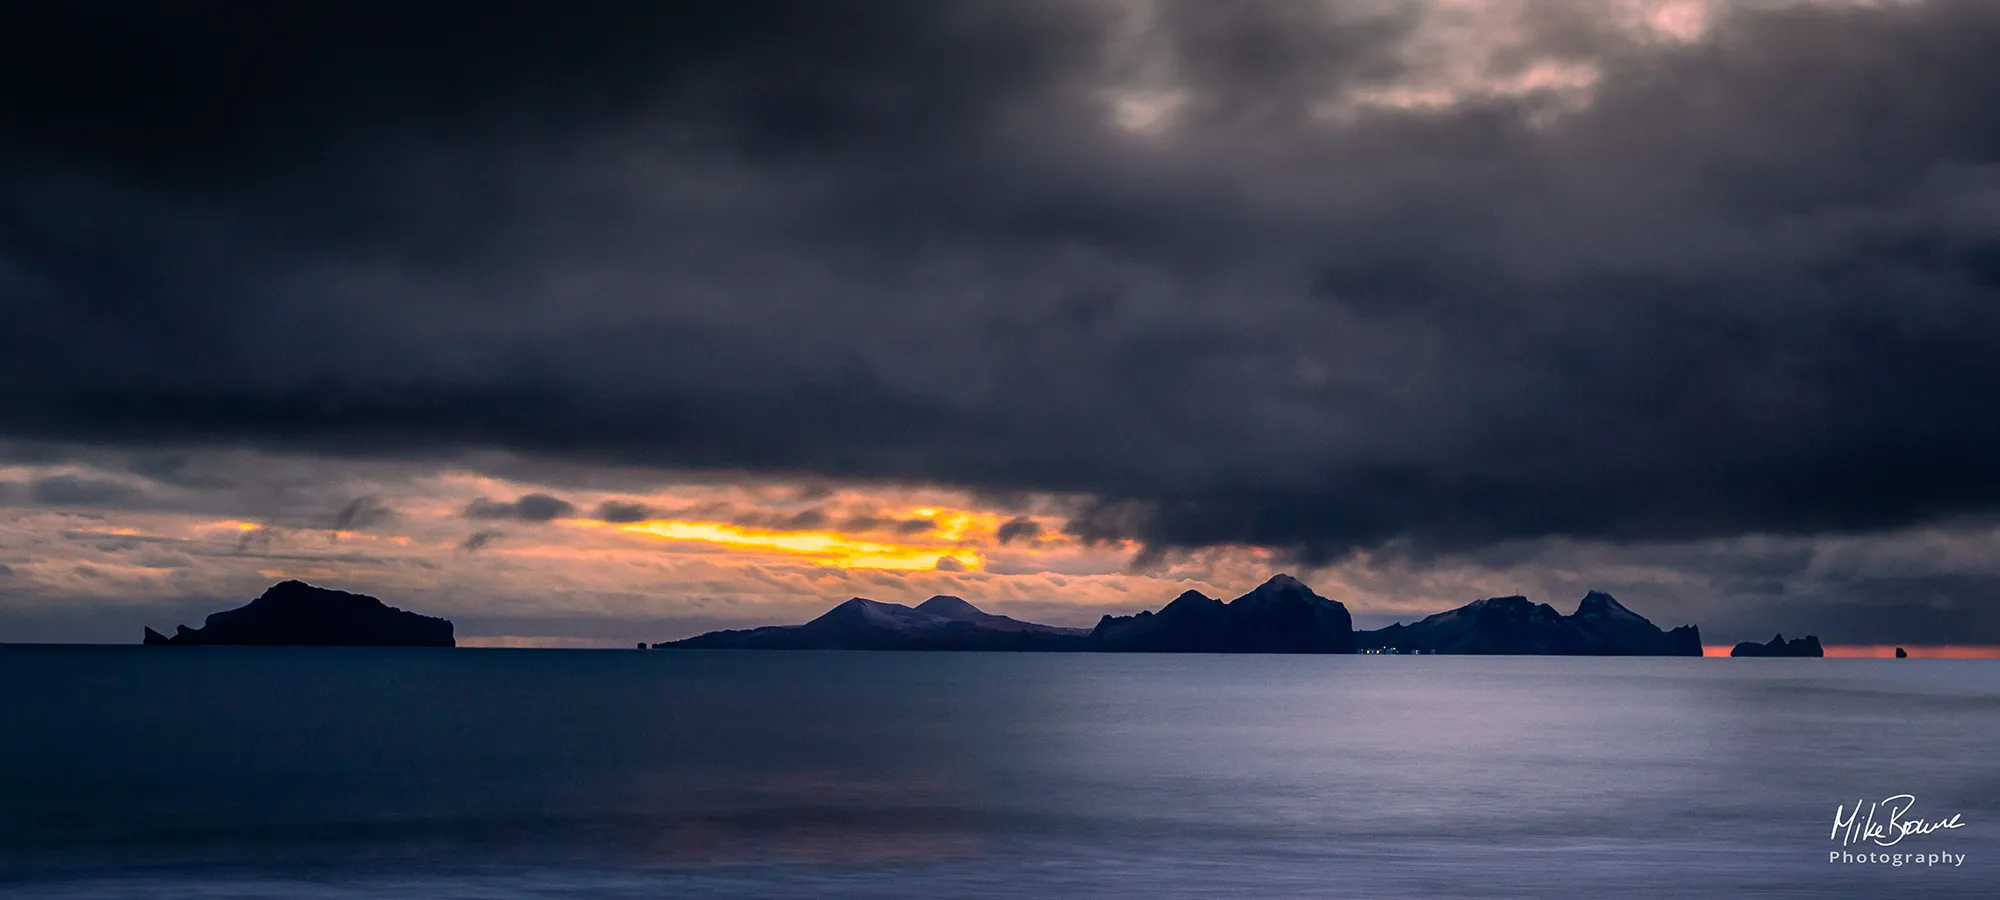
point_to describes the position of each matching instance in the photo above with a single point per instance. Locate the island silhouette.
(1601, 626)
(294, 613)
(1281, 615)
(1778, 646)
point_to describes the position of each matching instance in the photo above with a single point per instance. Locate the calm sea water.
(240, 772)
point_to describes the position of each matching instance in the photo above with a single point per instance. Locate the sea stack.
(1778, 646)
(294, 613)
(1902, 653)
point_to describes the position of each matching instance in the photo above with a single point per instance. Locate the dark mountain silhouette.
(1192, 623)
(1805, 646)
(1281, 616)
(1606, 623)
(296, 613)
(941, 623)
(957, 610)
(1601, 626)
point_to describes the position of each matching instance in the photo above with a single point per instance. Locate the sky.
(598, 322)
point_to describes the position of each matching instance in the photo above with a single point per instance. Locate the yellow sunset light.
(824, 547)
(954, 527)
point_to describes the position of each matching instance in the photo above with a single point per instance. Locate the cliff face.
(1778, 646)
(294, 613)
(1281, 616)
(1613, 630)
(1601, 626)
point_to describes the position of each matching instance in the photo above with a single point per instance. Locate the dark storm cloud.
(361, 513)
(533, 508)
(178, 470)
(1750, 287)
(861, 522)
(620, 512)
(1018, 528)
(79, 490)
(805, 519)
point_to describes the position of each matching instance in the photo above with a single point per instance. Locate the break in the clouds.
(1341, 280)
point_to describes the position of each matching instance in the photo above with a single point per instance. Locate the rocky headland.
(294, 613)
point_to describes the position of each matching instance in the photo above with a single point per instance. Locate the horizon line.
(1887, 651)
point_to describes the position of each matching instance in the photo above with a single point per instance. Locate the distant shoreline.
(1833, 651)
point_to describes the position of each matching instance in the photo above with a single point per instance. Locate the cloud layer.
(1335, 279)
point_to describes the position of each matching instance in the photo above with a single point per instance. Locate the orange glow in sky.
(824, 547)
(233, 524)
(725, 553)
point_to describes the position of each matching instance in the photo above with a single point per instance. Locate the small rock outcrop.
(294, 613)
(1902, 653)
(1778, 646)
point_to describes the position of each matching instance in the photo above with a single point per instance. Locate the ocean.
(364, 773)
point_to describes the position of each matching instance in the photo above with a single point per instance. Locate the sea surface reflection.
(534, 773)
